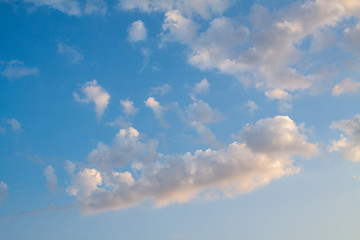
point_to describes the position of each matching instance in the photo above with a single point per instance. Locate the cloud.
(137, 31)
(252, 107)
(127, 147)
(15, 124)
(201, 87)
(146, 53)
(203, 8)
(267, 49)
(207, 136)
(158, 110)
(51, 179)
(70, 52)
(70, 7)
(346, 86)
(348, 145)
(278, 94)
(96, 94)
(3, 190)
(95, 7)
(128, 106)
(161, 90)
(73, 7)
(277, 135)
(240, 167)
(201, 111)
(178, 28)
(16, 69)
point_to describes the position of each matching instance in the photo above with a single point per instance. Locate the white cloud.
(3, 190)
(239, 168)
(15, 124)
(70, 52)
(158, 110)
(252, 106)
(96, 94)
(278, 94)
(51, 179)
(178, 28)
(269, 52)
(16, 69)
(137, 31)
(203, 8)
(129, 108)
(349, 145)
(277, 135)
(161, 90)
(346, 86)
(127, 147)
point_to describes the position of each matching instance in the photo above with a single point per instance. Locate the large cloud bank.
(265, 153)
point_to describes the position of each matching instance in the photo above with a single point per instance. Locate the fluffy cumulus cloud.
(16, 69)
(267, 49)
(128, 107)
(51, 179)
(203, 8)
(346, 86)
(70, 52)
(94, 93)
(3, 190)
(349, 145)
(73, 7)
(240, 167)
(137, 31)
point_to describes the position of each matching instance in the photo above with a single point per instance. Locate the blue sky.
(203, 119)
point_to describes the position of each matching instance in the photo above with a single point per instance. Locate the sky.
(179, 119)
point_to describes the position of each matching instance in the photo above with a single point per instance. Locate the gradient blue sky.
(176, 119)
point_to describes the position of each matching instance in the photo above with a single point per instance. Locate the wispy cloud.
(73, 7)
(252, 107)
(51, 179)
(15, 124)
(161, 90)
(346, 86)
(70, 52)
(3, 190)
(158, 110)
(16, 69)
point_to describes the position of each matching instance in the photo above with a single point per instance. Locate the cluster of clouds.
(263, 50)
(164, 179)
